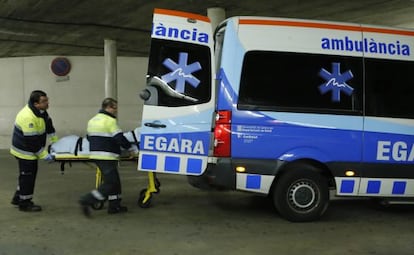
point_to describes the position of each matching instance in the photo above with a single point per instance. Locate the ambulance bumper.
(218, 175)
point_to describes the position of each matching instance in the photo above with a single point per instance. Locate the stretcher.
(75, 149)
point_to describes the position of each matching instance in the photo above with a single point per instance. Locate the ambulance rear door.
(178, 98)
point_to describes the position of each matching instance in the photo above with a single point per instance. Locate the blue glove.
(49, 158)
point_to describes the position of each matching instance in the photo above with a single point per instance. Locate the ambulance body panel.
(282, 107)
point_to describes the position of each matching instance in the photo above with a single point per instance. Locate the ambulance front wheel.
(301, 194)
(144, 200)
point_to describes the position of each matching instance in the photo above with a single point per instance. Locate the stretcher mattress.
(74, 147)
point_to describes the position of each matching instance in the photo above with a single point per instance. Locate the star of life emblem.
(181, 72)
(336, 82)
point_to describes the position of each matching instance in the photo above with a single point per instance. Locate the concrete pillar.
(216, 15)
(111, 86)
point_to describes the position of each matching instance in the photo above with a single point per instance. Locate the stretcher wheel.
(141, 199)
(98, 205)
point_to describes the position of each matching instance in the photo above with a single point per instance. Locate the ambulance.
(297, 110)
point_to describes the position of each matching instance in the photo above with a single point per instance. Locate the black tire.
(301, 194)
(98, 205)
(141, 198)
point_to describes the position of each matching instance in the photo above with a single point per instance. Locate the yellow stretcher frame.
(69, 158)
(145, 196)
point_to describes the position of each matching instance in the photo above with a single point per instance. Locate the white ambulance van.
(281, 107)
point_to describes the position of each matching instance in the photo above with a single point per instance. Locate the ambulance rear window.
(185, 67)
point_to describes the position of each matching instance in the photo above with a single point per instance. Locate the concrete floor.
(184, 220)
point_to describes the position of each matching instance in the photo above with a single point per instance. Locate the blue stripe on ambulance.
(172, 163)
(181, 153)
(355, 186)
(254, 182)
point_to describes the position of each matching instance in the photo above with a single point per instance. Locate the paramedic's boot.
(29, 206)
(116, 207)
(15, 200)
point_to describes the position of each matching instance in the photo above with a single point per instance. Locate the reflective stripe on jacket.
(105, 137)
(30, 132)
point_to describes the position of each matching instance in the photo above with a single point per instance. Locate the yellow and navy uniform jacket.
(105, 137)
(31, 129)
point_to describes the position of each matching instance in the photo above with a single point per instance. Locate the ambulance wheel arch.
(301, 192)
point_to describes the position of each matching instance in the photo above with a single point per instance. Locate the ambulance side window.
(286, 81)
(389, 88)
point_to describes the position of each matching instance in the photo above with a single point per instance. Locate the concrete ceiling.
(79, 27)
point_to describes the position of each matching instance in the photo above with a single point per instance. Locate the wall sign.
(60, 66)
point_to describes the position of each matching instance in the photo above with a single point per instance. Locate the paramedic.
(31, 128)
(105, 142)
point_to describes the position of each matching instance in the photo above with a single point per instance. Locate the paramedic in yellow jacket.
(105, 142)
(31, 128)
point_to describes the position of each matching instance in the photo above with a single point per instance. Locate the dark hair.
(35, 96)
(108, 102)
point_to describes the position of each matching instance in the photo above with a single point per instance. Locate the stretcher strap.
(135, 138)
(78, 146)
(62, 167)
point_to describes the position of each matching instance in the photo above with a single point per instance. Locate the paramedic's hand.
(49, 158)
(54, 139)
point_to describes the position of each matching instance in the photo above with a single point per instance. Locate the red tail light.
(222, 134)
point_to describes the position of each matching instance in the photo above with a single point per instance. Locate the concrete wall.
(73, 101)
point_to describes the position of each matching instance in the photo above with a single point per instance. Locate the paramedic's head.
(110, 105)
(39, 100)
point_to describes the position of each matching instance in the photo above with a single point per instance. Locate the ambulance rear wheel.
(301, 194)
(141, 199)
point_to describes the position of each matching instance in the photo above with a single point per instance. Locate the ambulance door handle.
(155, 125)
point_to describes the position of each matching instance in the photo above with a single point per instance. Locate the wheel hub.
(302, 195)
